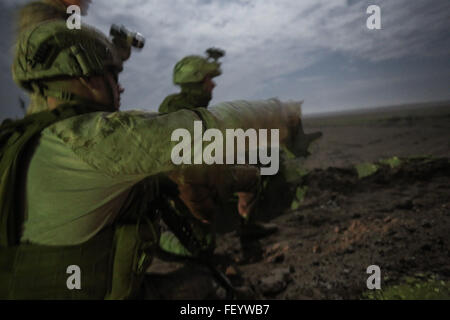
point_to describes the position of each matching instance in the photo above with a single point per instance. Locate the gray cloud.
(267, 40)
(271, 44)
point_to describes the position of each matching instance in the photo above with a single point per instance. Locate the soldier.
(40, 11)
(37, 12)
(194, 75)
(78, 178)
(203, 195)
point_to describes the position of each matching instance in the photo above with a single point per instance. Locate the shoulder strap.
(14, 137)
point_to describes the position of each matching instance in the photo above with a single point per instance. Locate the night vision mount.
(134, 39)
(215, 53)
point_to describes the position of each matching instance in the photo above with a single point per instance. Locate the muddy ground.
(397, 218)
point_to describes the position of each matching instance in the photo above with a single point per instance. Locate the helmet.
(193, 69)
(51, 50)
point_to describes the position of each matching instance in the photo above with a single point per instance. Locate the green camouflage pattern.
(37, 269)
(193, 69)
(241, 110)
(14, 137)
(30, 271)
(187, 99)
(148, 135)
(114, 151)
(50, 50)
(175, 102)
(189, 74)
(103, 155)
(30, 15)
(263, 114)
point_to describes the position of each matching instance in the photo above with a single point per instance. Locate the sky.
(319, 51)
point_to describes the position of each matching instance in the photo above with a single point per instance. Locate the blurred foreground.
(352, 210)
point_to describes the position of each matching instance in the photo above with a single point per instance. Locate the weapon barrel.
(263, 114)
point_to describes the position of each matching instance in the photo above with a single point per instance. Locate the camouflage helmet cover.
(50, 50)
(193, 69)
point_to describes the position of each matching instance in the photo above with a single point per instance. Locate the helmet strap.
(38, 103)
(59, 90)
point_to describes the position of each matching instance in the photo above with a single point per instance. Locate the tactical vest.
(189, 98)
(112, 263)
(175, 102)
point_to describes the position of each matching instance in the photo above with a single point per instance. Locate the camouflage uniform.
(31, 15)
(203, 193)
(36, 12)
(189, 74)
(79, 182)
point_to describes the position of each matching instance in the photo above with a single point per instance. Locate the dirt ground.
(398, 218)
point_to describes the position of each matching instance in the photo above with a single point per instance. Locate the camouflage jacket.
(192, 97)
(101, 155)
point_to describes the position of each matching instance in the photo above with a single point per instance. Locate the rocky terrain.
(344, 219)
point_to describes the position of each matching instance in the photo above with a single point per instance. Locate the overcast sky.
(319, 51)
